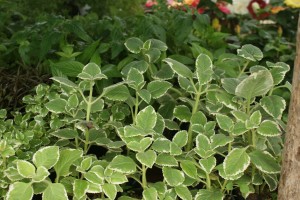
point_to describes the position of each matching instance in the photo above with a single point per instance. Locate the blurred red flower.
(254, 7)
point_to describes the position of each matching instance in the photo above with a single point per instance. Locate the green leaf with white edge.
(64, 81)
(254, 120)
(133, 131)
(164, 73)
(220, 140)
(142, 145)
(134, 45)
(239, 128)
(158, 88)
(273, 105)
(117, 92)
(225, 176)
(116, 178)
(80, 188)
(46, 156)
(204, 69)
(180, 138)
(94, 177)
(56, 105)
(122, 164)
(94, 188)
(41, 174)
(66, 133)
(203, 142)
(66, 160)
(183, 192)
(150, 194)
(230, 84)
(236, 161)
(20, 189)
(73, 101)
(224, 122)
(160, 124)
(269, 128)
(146, 118)
(208, 164)
(175, 150)
(165, 159)
(161, 145)
(135, 79)
(250, 52)
(239, 115)
(25, 169)
(257, 84)
(265, 162)
(226, 99)
(86, 163)
(186, 85)
(198, 118)
(152, 55)
(147, 158)
(154, 43)
(278, 71)
(182, 113)
(97, 106)
(145, 95)
(92, 69)
(173, 177)
(209, 195)
(179, 68)
(189, 168)
(110, 190)
(3, 113)
(271, 180)
(55, 191)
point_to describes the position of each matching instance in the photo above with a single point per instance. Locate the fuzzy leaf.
(189, 168)
(56, 105)
(123, 164)
(236, 162)
(273, 105)
(254, 120)
(135, 78)
(55, 191)
(161, 145)
(180, 138)
(134, 45)
(47, 157)
(269, 128)
(146, 118)
(220, 140)
(164, 159)
(183, 192)
(173, 177)
(152, 55)
(20, 189)
(209, 195)
(147, 158)
(208, 164)
(250, 52)
(154, 43)
(41, 174)
(257, 84)
(265, 162)
(204, 70)
(66, 159)
(278, 71)
(145, 95)
(80, 188)
(239, 115)
(110, 190)
(182, 113)
(25, 169)
(65, 133)
(179, 68)
(116, 92)
(150, 194)
(158, 88)
(224, 122)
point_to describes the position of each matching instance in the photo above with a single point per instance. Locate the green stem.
(208, 182)
(253, 138)
(244, 68)
(144, 178)
(224, 185)
(195, 109)
(88, 112)
(136, 106)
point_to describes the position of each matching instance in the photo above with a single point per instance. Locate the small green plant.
(208, 134)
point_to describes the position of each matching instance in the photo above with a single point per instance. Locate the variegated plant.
(208, 132)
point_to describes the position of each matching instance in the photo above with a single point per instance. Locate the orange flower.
(277, 9)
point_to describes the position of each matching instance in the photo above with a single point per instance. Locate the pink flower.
(201, 10)
(150, 3)
(223, 7)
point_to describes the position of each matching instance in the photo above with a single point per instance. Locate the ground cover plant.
(165, 131)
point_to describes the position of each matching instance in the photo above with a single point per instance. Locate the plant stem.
(195, 109)
(144, 178)
(244, 68)
(88, 112)
(208, 182)
(136, 107)
(224, 185)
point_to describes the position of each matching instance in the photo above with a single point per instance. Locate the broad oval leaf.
(47, 157)
(224, 122)
(66, 160)
(56, 105)
(173, 177)
(182, 113)
(110, 190)
(122, 164)
(179, 68)
(146, 118)
(25, 169)
(20, 189)
(257, 84)
(189, 168)
(65, 133)
(265, 162)
(158, 88)
(134, 45)
(183, 192)
(204, 70)
(135, 79)
(269, 128)
(250, 52)
(64, 81)
(41, 174)
(147, 158)
(154, 43)
(180, 138)
(205, 194)
(150, 194)
(152, 55)
(236, 162)
(208, 164)
(55, 191)
(116, 92)
(80, 188)
(165, 159)
(273, 105)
